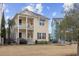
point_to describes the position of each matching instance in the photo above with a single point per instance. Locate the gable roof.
(31, 14)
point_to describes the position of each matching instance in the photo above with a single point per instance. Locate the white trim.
(21, 16)
(17, 39)
(18, 26)
(26, 27)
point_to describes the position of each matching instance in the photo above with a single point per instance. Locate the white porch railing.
(24, 26)
(30, 41)
(29, 26)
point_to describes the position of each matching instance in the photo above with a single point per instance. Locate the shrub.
(54, 41)
(41, 42)
(23, 41)
(9, 41)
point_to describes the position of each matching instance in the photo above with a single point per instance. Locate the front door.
(30, 34)
(20, 35)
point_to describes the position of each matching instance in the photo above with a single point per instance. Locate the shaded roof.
(57, 18)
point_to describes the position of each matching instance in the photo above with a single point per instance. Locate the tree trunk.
(78, 42)
(78, 46)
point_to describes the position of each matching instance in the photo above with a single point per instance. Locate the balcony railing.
(30, 27)
(24, 26)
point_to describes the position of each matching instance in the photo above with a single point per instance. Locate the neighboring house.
(55, 28)
(1, 9)
(30, 26)
(50, 37)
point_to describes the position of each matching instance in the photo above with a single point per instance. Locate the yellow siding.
(16, 33)
(40, 29)
(37, 28)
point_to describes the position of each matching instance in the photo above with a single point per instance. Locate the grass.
(38, 50)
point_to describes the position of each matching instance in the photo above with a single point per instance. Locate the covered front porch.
(25, 35)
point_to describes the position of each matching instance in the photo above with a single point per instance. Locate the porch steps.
(30, 41)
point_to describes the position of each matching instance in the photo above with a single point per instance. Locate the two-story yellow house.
(30, 26)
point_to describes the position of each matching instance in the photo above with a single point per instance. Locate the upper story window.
(42, 22)
(20, 21)
(30, 21)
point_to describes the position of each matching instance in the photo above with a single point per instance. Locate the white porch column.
(18, 31)
(26, 27)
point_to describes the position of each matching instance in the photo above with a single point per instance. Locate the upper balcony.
(25, 23)
(30, 27)
(23, 26)
(26, 26)
(30, 23)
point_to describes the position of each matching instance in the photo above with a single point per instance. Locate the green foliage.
(3, 30)
(10, 24)
(42, 42)
(71, 21)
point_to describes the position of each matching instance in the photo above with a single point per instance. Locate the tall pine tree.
(3, 30)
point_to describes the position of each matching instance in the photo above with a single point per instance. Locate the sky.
(50, 10)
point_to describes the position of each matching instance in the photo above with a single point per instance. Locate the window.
(41, 22)
(20, 21)
(20, 35)
(41, 35)
(38, 35)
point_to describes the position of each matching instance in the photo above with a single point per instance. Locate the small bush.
(41, 42)
(54, 41)
(23, 41)
(10, 41)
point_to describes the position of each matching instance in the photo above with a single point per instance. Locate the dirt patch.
(38, 50)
